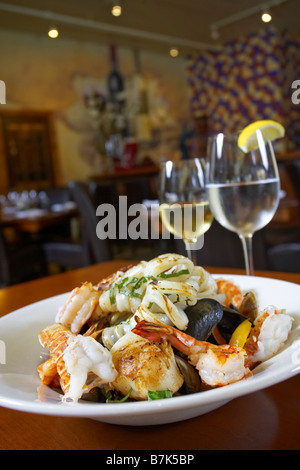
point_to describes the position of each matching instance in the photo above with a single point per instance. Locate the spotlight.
(116, 9)
(53, 33)
(266, 17)
(174, 52)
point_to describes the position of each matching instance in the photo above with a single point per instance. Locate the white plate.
(20, 387)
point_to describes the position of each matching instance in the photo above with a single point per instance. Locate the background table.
(268, 419)
(36, 224)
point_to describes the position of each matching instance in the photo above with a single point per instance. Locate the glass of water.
(243, 188)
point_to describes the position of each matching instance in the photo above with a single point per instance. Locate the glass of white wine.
(184, 208)
(243, 187)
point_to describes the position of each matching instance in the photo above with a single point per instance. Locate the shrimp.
(217, 365)
(81, 362)
(48, 373)
(55, 337)
(81, 305)
(232, 293)
(270, 330)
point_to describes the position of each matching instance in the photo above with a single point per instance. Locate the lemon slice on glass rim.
(270, 130)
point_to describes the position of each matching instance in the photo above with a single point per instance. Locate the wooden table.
(36, 224)
(264, 420)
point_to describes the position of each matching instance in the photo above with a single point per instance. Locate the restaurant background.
(41, 74)
(60, 86)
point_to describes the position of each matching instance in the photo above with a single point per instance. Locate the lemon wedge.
(270, 130)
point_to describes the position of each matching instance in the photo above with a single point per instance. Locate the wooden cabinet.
(27, 150)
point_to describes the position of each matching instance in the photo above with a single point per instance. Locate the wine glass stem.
(191, 253)
(248, 254)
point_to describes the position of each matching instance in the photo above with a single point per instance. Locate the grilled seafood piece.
(81, 362)
(233, 295)
(270, 330)
(169, 283)
(217, 365)
(143, 365)
(81, 305)
(48, 373)
(109, 280)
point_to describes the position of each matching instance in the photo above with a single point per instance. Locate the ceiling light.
(53, 33)
(174, 52)
(266, 17)
(116, 9)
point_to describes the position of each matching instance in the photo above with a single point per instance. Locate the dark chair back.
(20, 262)
(285, 257)
(100, 249)
(57, 195)
(223, 248)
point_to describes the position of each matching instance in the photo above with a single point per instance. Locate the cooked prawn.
(217, 365)
(270, 330)
(81, 362)
(55, 337)
(81, 305)
(232, 293)
(48, 372)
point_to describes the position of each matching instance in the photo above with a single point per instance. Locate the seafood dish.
(158, 329)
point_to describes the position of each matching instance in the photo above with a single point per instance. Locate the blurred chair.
(285, 257)
(223, 248)
(104, 192)
(57, 195)
(99, 249)
(138, 189)
(20, 262)
(66, 253)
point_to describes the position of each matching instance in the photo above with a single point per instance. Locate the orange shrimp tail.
(56, 338)
(158, 332)
(232, 293)
(48, 371)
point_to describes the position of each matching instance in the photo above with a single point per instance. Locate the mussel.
(203, 317)
(229, 322)
(249, 306)
(192, 381)
(206, 315)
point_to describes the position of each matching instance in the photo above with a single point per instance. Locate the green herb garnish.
(128, 286)
(112, 294)
(159, 394)
(178, 273)
(109, 399)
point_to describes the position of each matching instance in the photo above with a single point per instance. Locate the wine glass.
(243, 187)
(184, 208)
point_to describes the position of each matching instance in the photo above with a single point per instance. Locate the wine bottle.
(117, 96)
(142, 121)
(115, 80)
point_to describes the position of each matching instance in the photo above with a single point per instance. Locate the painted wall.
(46, 74)
(247, 81)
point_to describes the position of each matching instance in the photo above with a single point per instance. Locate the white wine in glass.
(184, 208)
(243, 187)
